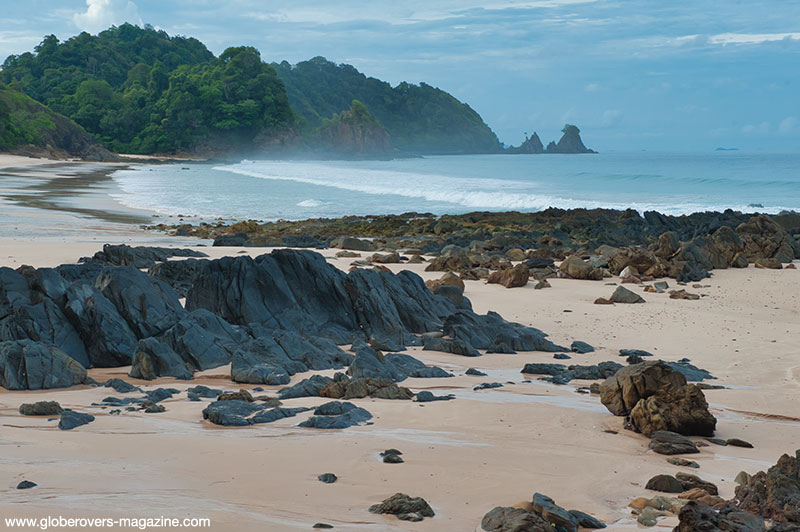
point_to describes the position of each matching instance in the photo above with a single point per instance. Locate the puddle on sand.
(568, 400)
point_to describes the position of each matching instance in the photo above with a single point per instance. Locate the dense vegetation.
(353, 132)
(141, 91)
(25, 122)
(419, 118)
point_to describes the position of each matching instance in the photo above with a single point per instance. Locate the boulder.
(573, 267)
(448, 279)
(675, 408)
(774, 494)
(309, 387)
(623, 295)
(665, 484)
(581, 347)
(337, 415)
(553, 513)
(507, 519)
(621, 392)
(139, 257)
(71, 419)
(348, 242)
(669, 443)
(152, 358)
(41, 408)
(406, 508)
(696, 515)
(236, 413)
(512, 277)
(365, 387)
(29, 365)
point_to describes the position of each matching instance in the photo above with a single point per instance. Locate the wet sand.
(483, 449)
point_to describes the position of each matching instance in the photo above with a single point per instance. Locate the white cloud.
(758, 129)
(751, 38)
(788, 124)
(101, 14)
(592, 87)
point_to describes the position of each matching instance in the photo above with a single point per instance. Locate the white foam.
(309, 203)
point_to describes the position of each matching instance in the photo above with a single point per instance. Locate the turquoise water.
(269, 190)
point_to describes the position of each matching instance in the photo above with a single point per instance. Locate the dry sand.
(466, 456)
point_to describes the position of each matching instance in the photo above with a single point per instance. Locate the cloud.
(788, 124)
(751, 38)
(101, 14)
(592, 87)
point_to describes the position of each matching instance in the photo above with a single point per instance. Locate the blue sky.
(676, 75)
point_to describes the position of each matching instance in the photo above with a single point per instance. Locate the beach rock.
(587, 521)
(638, 261)
(542, 284)
(41, 408)
(404, 507)
(675, 408)
(365, 387)
(768, 264)
(179, 274)
(108, 339)
(322, 525)
(26, 485)
(581, 347)
(309, 387)
(736, 442)
(204, 392)
(150, 407)
(487, 386)
(152, 358)
(475, 372)
(763, 238)
(234, 240)
(248, 368)
(623, 295)
(489, 331)
(690, 482)
(337, 415)
(512, 277)
(29, 365)
(561, 356)
(621, 392)
(603, 301)
(683, 462)
(147, 305)
(447, 345)
(241, 395)
(696, 515)
(237, 413)
(553, 513)
(670, 443)
(327, 478)
(739, 261)
(203, 340)
(448, 279)
(634, 352)
(507, 519)
(120, 386)
(71, 419)
(665, 484)
(428, 397)
(774, 494)
(682, 294)
(140, 256)
(573, 267)
(388, 258)
(348, 242)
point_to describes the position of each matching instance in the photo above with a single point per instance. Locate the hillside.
(353, 133)
(28, 127)
(419, 118)
(138, 90)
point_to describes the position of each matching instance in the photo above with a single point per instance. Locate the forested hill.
(138, 90)
(419, 118)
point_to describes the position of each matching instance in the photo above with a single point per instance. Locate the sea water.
(291, 190)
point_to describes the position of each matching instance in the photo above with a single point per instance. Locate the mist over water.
(270, 190)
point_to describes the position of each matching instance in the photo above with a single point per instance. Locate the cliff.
(570, 142)
(29, 128)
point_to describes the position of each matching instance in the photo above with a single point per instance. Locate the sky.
(633, 75)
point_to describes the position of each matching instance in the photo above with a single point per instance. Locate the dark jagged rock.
(160, 394)
(544, 369)
(428, 397)
(691, 372)
(203, 340)
(204, 392)
(697, 516)
(634, 352)
(475, 372)
(241, 413)
(26, 485)
(108, 339)
(179, 274)
(490, 330)
(337, 415)
(669, 443)
(347, 242)
(665, 484)
(365, 387)
(553, 513)
(736, 442)
(587, 521)
(41, 408)
(309, 387)
(511, 277)
(327, 478)
(487, 386)
(507, 519)
(369, 363)
(570, 142)
(689, 482)
(682, 409)
(774, 494)
(149, 306)
(28, 365)
(71, 419)
(404, 507)
(121, 386)
(581, 347)
(152, 358)
(139, 256)
(621, 392)
(623, 295)
(448, 345)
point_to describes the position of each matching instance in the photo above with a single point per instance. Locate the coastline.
(484, 449)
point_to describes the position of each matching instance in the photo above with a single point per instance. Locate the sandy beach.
(486, 448)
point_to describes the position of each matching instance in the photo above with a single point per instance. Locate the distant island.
(141, 91)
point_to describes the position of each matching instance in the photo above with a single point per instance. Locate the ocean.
(291, 190)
